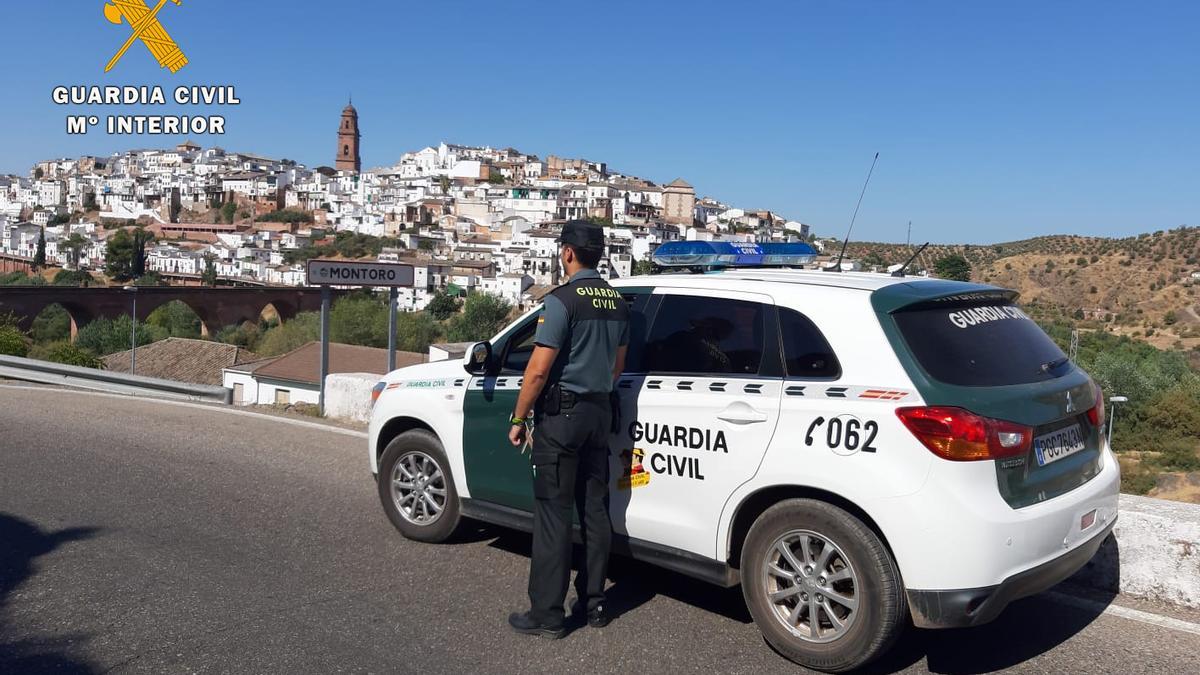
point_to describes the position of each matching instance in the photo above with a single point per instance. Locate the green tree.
(105, 336)
(12, 342)
(74, 246)
(175, 319)
(482, 317)
(21, 279)
(151, 278)
(359, 320)
(247, 335)
(286, 216)
(954, 267)
(51, 325)
(38, 173)
(874, 259)
(68, 354)
(415, 331)
(140, 239)
(209, 276)
(39, 257)
(441, 306)
(120, 254)
(1170, 318)
(72, 278)
(305, 327)
(643, 267)
(229, 211)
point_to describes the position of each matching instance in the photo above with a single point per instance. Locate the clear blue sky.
(995, 121)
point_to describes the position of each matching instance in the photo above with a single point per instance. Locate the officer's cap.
(583, 234)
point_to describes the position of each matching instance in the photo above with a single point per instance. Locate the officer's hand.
(516, 434)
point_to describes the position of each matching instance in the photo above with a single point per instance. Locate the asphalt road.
(137, 536)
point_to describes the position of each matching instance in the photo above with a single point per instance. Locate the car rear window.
(806, 353)
(979, 344)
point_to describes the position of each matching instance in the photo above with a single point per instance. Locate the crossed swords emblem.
(148, 29)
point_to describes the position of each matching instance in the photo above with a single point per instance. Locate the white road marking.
(1127, 613)
(188, 404)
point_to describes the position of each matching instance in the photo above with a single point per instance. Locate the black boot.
(526, 624)
(598, 618)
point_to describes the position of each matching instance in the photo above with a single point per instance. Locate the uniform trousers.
(570, 473)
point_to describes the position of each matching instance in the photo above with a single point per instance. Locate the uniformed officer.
(579, 350)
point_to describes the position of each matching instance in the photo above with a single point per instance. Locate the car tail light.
(962, 436)
(1096, 414)
(376, 391)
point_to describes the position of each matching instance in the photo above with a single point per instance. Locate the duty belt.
(570, 398)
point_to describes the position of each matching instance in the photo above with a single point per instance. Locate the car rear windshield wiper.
(1051, 365)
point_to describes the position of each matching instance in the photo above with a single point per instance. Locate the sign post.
(325, 302)
(328, 273)
(393, 296)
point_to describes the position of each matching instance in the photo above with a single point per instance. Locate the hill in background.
(1142, 286)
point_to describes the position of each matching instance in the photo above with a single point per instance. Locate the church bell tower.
(348, 139)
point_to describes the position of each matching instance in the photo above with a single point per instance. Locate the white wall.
(348, 395)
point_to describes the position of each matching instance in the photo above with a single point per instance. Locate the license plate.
(1057, 444)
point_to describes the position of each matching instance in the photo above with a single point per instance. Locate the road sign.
(351, 273)
(326, 273)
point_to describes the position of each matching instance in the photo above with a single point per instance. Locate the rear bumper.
(975, 606)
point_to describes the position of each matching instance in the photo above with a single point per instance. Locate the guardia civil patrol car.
(858, 451)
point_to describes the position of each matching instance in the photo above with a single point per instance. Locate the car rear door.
(699, 406)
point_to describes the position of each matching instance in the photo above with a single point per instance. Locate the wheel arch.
(754, 504)
(396, 426)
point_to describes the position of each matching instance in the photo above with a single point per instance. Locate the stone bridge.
(216, 307)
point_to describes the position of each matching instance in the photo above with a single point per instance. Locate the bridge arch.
(216, 307)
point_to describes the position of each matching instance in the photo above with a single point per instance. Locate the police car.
(858, 451)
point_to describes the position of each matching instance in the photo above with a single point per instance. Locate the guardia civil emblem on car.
(856, 451)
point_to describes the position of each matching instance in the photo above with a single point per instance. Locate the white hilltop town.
(470, 219)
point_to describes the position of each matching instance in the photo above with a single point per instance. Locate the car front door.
(496, 471)
(697, 419)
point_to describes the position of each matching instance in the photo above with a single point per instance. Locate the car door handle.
(741, 413)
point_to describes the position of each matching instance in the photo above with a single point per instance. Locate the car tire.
(416, 487)
(848, 578)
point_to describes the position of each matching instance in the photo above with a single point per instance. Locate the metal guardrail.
(44, 372)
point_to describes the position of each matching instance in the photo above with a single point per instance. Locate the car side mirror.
(479, 358)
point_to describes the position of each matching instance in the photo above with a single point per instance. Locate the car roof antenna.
(837, 267)
(900, 272)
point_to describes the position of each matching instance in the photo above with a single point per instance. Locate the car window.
(693, 334)
(806, 352)
(637, 330)
(980, 344)
(520, 346)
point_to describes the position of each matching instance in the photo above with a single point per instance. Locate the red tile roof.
(304, 364)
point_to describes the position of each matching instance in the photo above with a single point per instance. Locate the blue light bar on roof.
(732, 254)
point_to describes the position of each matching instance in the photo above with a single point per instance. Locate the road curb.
(1153, 552)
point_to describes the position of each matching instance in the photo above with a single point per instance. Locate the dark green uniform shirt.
(586, 320)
